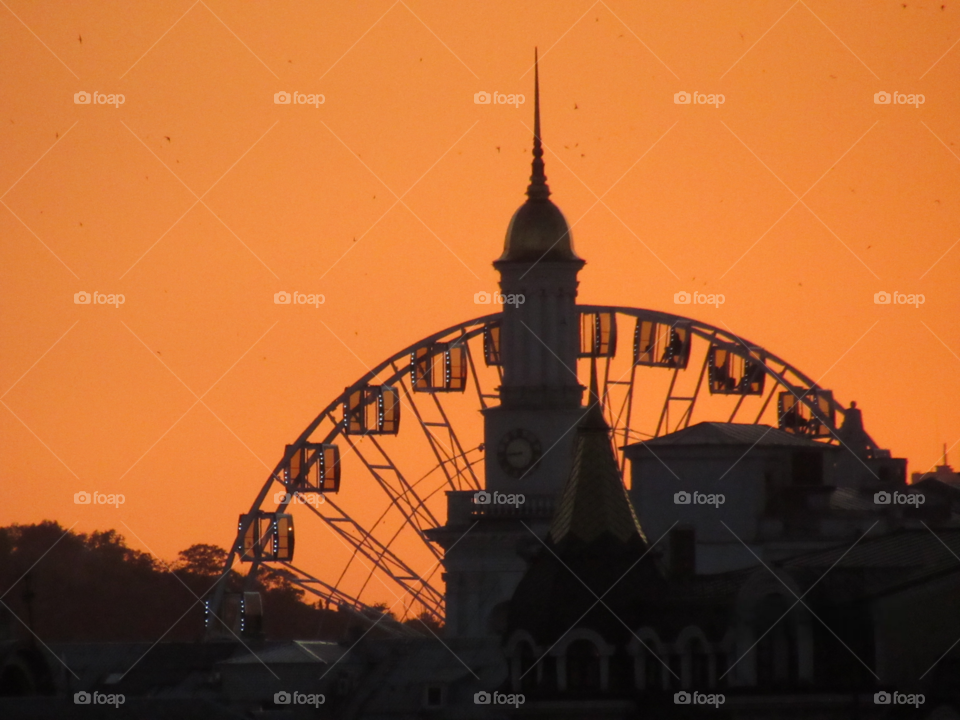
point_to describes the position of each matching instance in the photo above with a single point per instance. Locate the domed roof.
(538, 231)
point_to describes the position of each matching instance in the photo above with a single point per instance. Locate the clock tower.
(529, 436)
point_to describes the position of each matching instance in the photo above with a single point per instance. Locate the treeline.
(69, 586)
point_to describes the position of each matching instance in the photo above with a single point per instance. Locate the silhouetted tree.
(202, 559)
(94, 587)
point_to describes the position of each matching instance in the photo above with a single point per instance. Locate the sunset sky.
(198, 198)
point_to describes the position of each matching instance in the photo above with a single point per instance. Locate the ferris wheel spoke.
(457, 449)
(688, 414)
(396, 498)
(417, 509)
(371, 570)
(401, 528)
(378, 554)
(439, 450)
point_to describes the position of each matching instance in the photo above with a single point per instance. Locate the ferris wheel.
(367, 477)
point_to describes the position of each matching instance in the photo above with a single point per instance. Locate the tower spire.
(538, 188)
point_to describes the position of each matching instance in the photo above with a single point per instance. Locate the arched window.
(583, 666)
(674, 670)
(777, 656)
(528, 671)
(723, 677)
(699, 664)
(652, 670)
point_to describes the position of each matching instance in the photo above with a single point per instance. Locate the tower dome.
(538, 231)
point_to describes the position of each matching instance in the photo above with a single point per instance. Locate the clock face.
(519, 452)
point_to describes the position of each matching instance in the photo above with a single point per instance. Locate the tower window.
(433, 696)
(583, 666)
(683, 552)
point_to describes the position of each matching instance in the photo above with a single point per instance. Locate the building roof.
(718, 433)
(595, 547)
(594, 500)
(882, 564)
(297, 651)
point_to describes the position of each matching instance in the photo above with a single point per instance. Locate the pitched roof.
(718, 433)
(594, 499)
(296, 651)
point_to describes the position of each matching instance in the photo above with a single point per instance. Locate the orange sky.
(297, 197)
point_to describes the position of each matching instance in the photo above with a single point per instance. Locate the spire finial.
(538, 181)
(594, 419)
